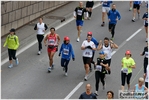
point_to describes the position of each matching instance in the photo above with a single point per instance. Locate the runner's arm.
(46, 27)
(6, 41)
(35, 28)
(60, 51)
(118, 15)
(58, 37)
(72, 52)
(143, 52)
(99, 47)
(45, 40)
(113, 45)
(83, 46)
(133, 66)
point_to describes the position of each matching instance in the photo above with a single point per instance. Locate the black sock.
(103, 22)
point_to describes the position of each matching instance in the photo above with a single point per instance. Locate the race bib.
(105, 3)
(125, 70)
(51, 42)
(98, 67)
(66, 52)
(79, 12)
(87, 53)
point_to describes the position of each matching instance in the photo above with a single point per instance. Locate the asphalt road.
(30, 80)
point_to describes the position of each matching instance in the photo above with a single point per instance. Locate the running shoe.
(10, 66)
(39, 52)
(112, 38)
(133, 20)
(49, 69)
(146, 39)
(130, 9)
(78, 39)
(96, 93)
(89, 18)
(85, 78)
(66, 74)
(102, 24)
(52, 66)
(17, 61)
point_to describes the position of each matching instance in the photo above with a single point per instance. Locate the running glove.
(59, 54)
(89, 47)
(73, 59)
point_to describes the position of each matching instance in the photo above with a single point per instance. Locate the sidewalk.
(27, 34)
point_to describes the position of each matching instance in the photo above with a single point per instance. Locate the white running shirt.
(40, 28)
(88, 52)
(107, 51)
(147, 73)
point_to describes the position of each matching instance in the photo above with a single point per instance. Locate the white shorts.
(105, 9)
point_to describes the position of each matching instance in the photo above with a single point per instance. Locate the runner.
(110, 95)
(40, 27)
(140, 88)
(96, 44)
(136, 6)
(79, 15)
(101, 70)
(113, 16)
(87, 47)
(52, 46)
(145, 18)
(105, 10)
(146, 76)
(126, 72)
(107, 47)
(12, 43)
(145, 52)
(89, 6)
(88, 94)
(66, 50)
(130, 5)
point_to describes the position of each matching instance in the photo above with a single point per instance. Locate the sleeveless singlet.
(107, 51)
(52, 40)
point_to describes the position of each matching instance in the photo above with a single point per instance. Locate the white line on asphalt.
(121, 45)
(134, 34)
(74, 90)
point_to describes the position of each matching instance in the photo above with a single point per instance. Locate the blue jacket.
(113, 15)
(137, 2)
(106, 4)
(67, 51)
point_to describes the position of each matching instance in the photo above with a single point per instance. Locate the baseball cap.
(101, 52)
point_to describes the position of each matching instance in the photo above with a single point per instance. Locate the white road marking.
(134, 34)
(74, 90)
(121, 45)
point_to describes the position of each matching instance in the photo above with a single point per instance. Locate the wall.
(18, 13)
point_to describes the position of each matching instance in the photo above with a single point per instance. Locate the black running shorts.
(89, 4)
(136, 6)
(86, 60)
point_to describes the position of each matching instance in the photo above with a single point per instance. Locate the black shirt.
(85, 96)
(145, 52)
(104, 61)
(145, 16)
(80, 13)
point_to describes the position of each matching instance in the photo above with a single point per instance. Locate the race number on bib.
(87, 53)
(105, 3)
(66, 52)
(125, 70)
(98, 67)
(51, 41)
(79, 12)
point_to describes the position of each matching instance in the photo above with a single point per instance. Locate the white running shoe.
(10, 66)
(85, 78)
(49, 69)
(66, 74)
(78, 39)
(17, 61)
(96, 93)
(39, 52)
